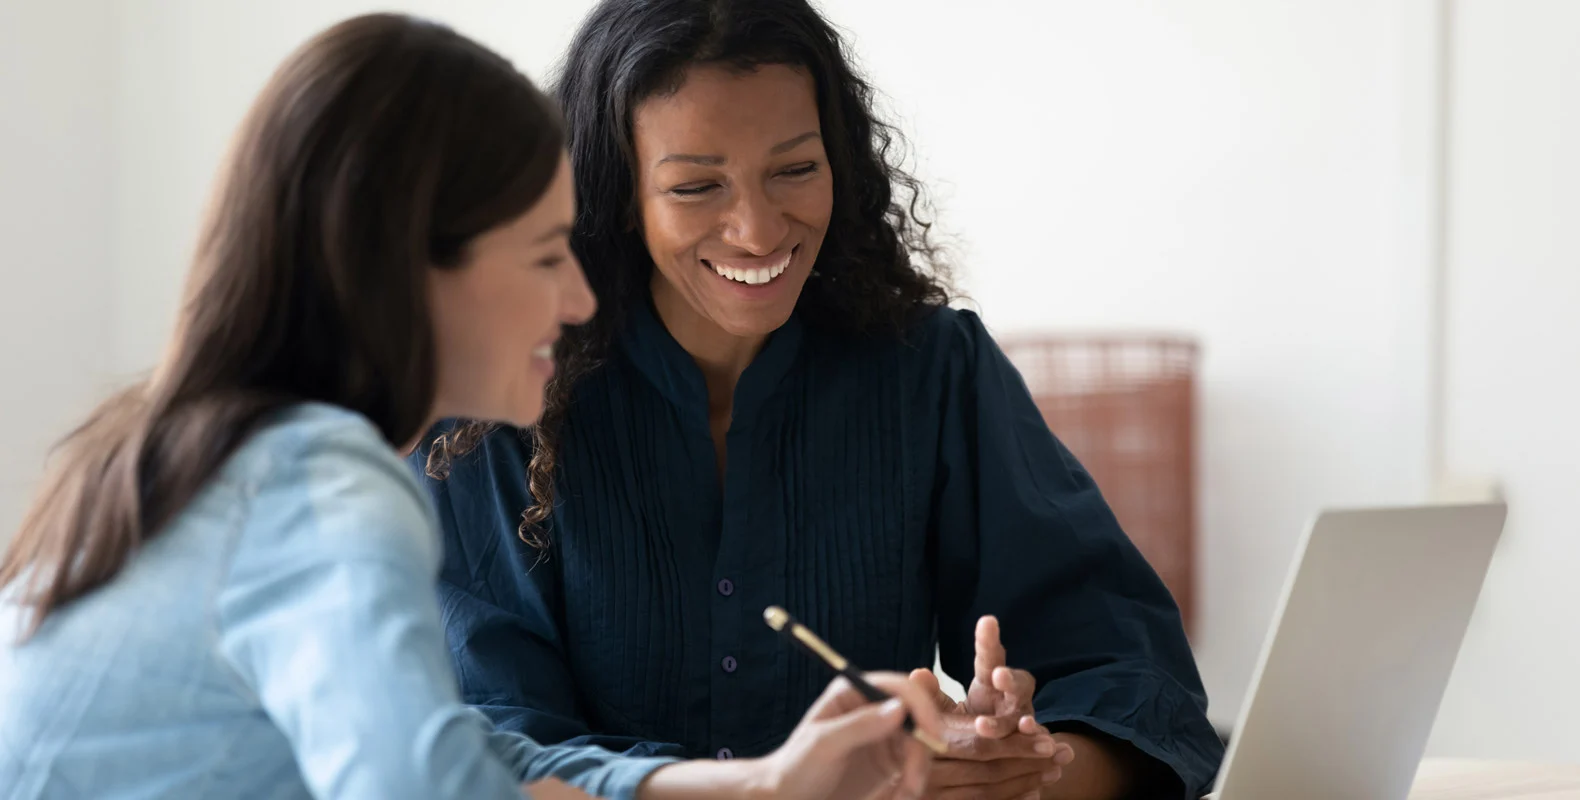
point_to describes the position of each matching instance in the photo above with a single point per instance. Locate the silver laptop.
(1359, 652)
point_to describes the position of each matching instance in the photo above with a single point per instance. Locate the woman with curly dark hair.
(774, 405)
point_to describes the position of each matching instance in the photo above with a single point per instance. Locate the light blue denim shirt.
(279, 639)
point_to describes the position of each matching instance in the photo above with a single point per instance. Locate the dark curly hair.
(877, 270)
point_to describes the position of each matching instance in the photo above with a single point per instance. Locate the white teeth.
(546, 352)
(754, 276)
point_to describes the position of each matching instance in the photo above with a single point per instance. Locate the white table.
(1456, 779)
(1468, 779)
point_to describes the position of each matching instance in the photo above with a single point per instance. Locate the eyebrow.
(714, 161)
(554, 233)
(791, 144)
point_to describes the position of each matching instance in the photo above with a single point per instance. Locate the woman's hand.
(997, 751)
(848, 747)
(845, 747)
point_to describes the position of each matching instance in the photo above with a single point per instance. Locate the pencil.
(781, 621)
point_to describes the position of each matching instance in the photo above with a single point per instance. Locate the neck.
(411, 447)
(721, 355)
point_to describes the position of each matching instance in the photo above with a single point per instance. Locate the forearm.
(1105, 768)
(706, 780)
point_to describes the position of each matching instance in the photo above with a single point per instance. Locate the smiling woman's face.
(735, 196)
(496, 318)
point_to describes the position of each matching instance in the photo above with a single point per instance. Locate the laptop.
(1354, 666)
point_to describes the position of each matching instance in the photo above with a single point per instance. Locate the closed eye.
(693, 191)
(801, 169)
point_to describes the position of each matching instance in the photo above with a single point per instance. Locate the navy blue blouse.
(888, 492)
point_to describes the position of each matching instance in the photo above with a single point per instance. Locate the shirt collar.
(675, 374)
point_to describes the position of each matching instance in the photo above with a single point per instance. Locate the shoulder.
(945, 346)
(949, 355)
(946, 328)
(324, 483)
(316, 432)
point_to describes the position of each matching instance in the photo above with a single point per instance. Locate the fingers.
(928, 682)
(836, 699)
(863, 726)
(1018, 686)
(951, 774)
(915, 769)
(996, 727)
(972, 747)
(919, 702)
(1028, 787)
(888, 758)
(990, 651)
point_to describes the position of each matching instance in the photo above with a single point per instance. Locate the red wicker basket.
(1126, 408)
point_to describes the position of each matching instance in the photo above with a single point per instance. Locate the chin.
(523, 415)
(756, 319)
(762, 325)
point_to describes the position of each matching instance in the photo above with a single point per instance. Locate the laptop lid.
(1359, 652)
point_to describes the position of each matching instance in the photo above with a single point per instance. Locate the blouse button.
(725, 754)
(730, 664)
(726, 587)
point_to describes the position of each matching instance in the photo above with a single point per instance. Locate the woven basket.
(1126, 408)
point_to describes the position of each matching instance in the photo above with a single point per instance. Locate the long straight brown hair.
(376, 152)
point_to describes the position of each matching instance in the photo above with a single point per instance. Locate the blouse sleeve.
(328, 615)
(1024, 534)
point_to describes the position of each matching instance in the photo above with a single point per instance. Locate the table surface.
(1456, 779)
(1468, 779)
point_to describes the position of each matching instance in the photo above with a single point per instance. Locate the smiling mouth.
(754, 272)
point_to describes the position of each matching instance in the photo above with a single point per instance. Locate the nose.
(577, 303)
(755, 223)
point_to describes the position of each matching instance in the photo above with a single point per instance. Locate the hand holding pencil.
(781, 621)
(851, 691)
(869, 735)
(849, 747)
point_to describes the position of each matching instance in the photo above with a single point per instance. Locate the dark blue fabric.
(887, 492)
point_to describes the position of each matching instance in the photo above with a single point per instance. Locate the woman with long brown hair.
(225, 585)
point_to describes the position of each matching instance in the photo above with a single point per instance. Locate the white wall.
(187, 71)
(1513, 375)
(55, 151)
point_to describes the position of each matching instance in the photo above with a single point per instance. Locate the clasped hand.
(997, 751)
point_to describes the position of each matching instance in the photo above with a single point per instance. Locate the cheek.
(671, 230)
(486, 324)
(812, 204)
(454, 328)
(503, 324)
